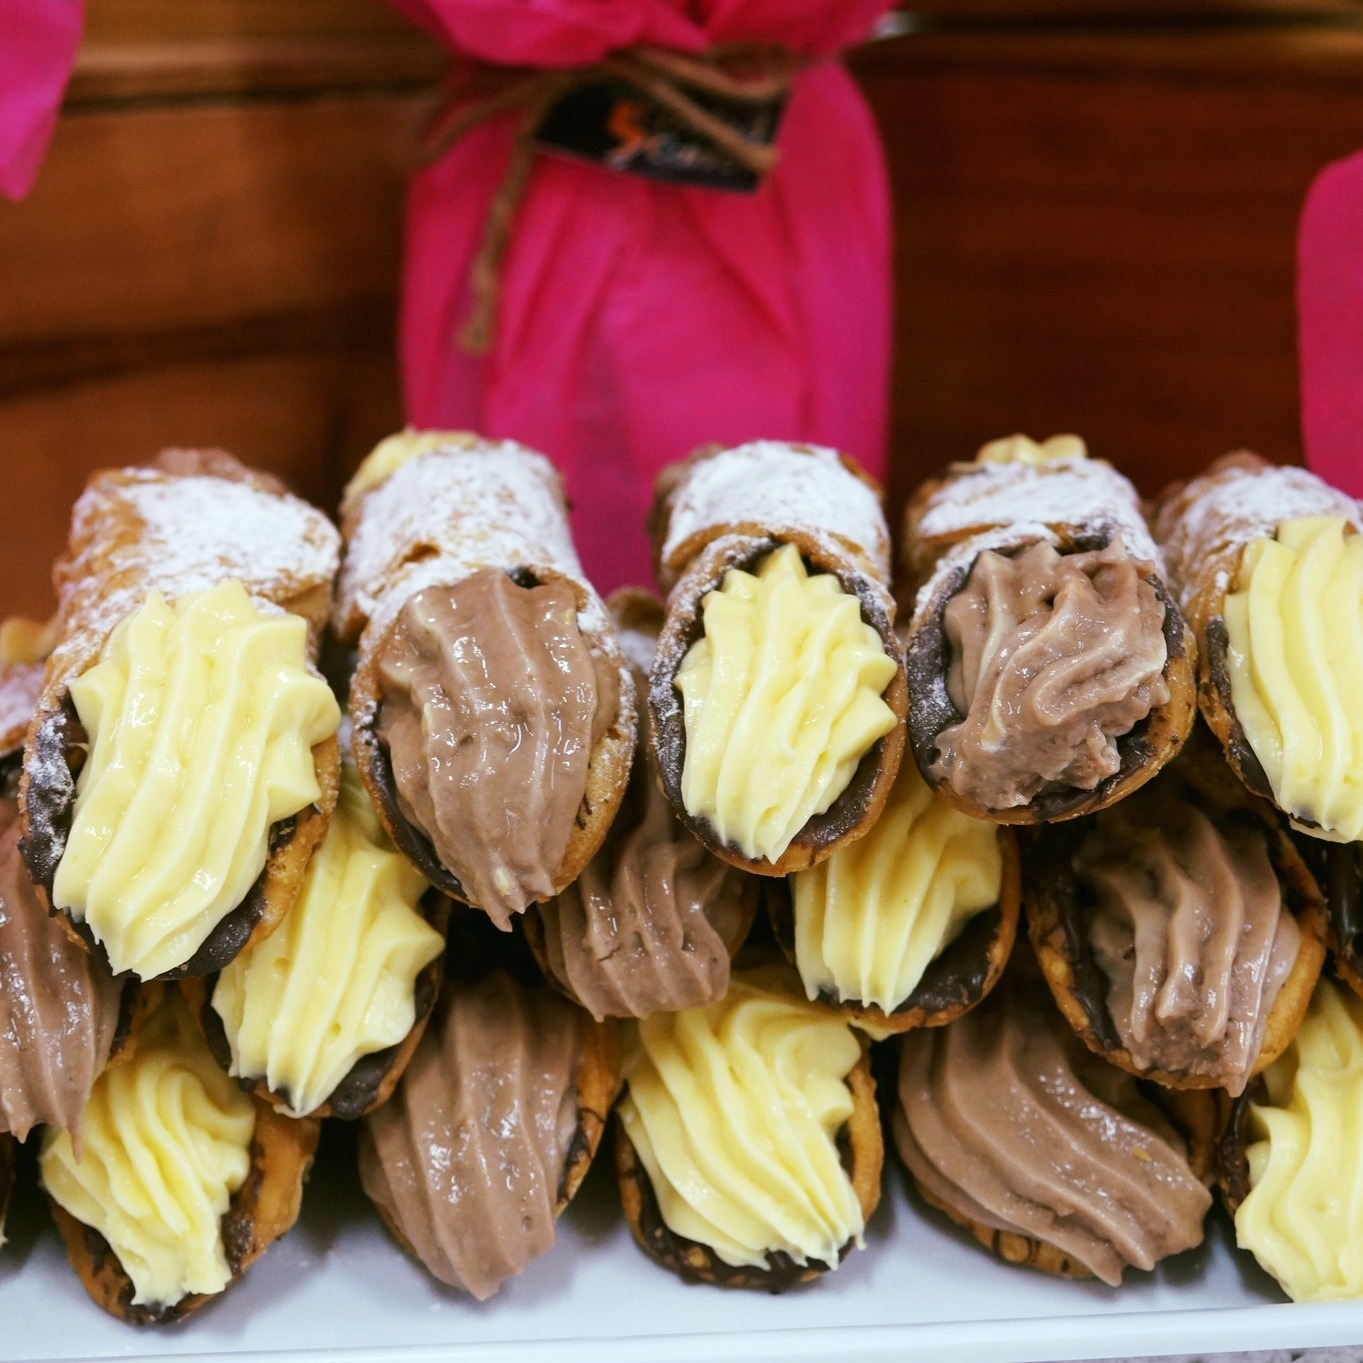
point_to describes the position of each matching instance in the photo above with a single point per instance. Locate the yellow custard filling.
(782, 698)
(1021, 449)
(336, 980)
(735, 1110)
(1294, 626)
(165, 1143)
(1303, 1218)
(201, 720)
(870, 919)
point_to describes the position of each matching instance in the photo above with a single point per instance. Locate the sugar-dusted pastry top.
(58, 1006)
(870, 919)
(806, 491)
(734, 1110)
(1294, 626)
(650, 924)
(465, 1160)
(1004, 1117)
(782, 697)
(1054, 656)
(165, 1143)
(336, 980)
(492, 702)
(1303, 1217)
(201, 717)
(198, 519)
(1189, 927)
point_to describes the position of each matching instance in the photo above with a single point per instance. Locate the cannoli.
(1288, 1158)
(653, 920)
(181, 764)
(1048, 1155)
(1268, 564)
(777, 690)
(911, 925)
(491, 1128)
(1049, 670)
(493, 715)
(182, 1180)
(325, 1013)
(1180, 931)
(749, 1148)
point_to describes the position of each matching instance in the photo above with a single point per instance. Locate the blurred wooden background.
(1097, 206)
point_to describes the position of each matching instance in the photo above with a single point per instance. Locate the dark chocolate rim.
(372, 1078)
(407, 836)
(1338, 870)
(694, 1262)
(1232, 1146)
(874, 772)
(281, 1156)
(59, 740)
(1056, 907)
(8, 1148)
(1142, 750)
(956, 980)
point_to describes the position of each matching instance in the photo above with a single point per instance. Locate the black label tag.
(613, 124)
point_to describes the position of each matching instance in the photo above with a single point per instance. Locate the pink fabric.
(1330, 309)
(38, 41)
(638, 321)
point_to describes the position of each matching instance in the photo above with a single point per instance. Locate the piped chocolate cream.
(1189, 927)
(1053, 657)
(59, 1007)
(492, 701)
(652, 922)
(466, 1159)
(1007, 1122)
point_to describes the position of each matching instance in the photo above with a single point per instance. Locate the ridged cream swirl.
(58, 1006)
(1294, 626)
(467, 1157)
(492, 703)
(1189, 928)
(202, 717)
(735, 1110)
(166, 1141)
(336, 980)
(872, 918)
(1003, 1116)
(1303, 1218)
(1053, 657)
(650, 924)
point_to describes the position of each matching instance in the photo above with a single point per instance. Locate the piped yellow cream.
(735, 1111)
(870, 919)
(1021, 449)
(1294, 625)
(165, 1143)
(201, 719)
(1303, 1218)
(336, 980)
(782, 698)
(390, 454)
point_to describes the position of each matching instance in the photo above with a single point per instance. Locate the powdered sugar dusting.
(447, 513)
(804, 489)
(1205, 526)
(138, 530)
(20, 686)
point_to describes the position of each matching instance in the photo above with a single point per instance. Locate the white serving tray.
(338, 1288)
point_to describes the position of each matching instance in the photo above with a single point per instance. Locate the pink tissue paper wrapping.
(1330, 313)
(38, 41)
(638, 321)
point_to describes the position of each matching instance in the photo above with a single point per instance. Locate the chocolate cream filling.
(467, 1157)
(59, 1007)
(651, 923)
(1007, 1120)
(1189, 927)
(1053, 658)
(492, 701)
